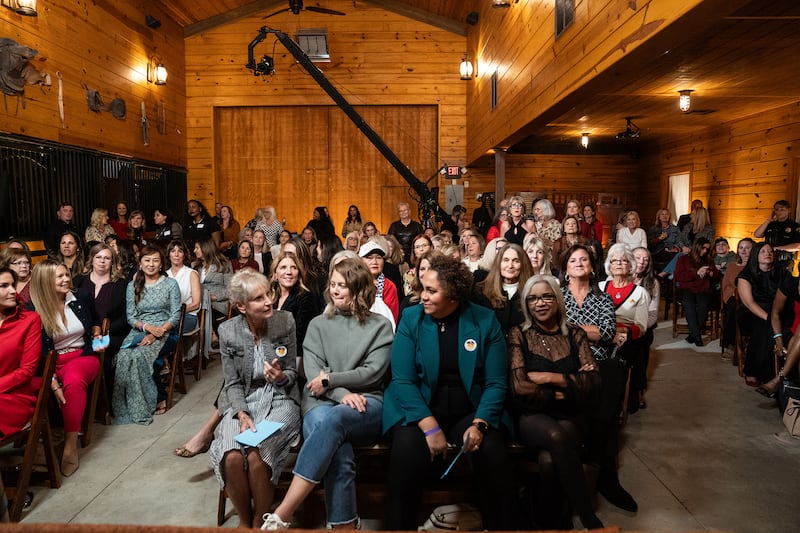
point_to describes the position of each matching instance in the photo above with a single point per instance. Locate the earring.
(566, 278)
(591, 274)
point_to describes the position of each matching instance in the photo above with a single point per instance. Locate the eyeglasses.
(618, 261)
(515, 204)
(546, 298)
(421, 246)
(21, 263)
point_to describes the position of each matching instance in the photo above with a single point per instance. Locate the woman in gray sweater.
(346, 355)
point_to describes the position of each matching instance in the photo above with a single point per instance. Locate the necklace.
(442, 326)
(546, 346)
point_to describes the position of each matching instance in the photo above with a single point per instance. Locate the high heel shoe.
(69, 465)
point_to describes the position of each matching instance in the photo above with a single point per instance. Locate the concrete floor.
(707, 454)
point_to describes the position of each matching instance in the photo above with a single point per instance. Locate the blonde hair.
(114, 270)
(97, 217)
(44, 297)
(492, 286)
(699, 219)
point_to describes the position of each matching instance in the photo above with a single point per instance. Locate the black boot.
(608, 485)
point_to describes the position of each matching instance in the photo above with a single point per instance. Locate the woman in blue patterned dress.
(153, 303)
(258, 350)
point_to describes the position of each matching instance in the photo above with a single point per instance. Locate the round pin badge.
(281, 351)
(470, 345)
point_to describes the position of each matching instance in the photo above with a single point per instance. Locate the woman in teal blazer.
(449, 381)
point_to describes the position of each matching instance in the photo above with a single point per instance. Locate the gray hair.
(244, 283)
(621, 249)
(547, 208)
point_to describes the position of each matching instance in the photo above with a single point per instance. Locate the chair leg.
(221, 508)
(91, 407)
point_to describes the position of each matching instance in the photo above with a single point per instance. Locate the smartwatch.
(325, 382)
(482, 426)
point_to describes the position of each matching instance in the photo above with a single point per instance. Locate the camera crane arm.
(427, 200)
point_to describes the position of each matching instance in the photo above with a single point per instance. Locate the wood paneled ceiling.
(738, 64)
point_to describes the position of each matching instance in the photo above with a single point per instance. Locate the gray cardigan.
(237, 355)
(355, 356)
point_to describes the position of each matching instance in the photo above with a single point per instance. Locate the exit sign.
(453, 170)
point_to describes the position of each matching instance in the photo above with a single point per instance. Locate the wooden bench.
(372, 468)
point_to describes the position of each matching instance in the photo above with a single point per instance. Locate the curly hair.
(454, 277)
(360, 284)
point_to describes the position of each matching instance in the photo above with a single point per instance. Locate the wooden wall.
(535, 72)
(378, 58)
(103, 45)
(739, 169)
(587, 178)
(323, 159)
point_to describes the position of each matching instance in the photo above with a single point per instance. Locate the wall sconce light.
(156, 72)
(22, 7)
(501, 3)
(585, 140)
(466, 69)
(685, 101)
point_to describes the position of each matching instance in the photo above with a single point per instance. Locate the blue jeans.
(327, 453)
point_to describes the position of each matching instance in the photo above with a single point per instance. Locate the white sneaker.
(273, 522)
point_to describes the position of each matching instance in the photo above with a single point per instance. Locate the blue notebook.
(264, 429)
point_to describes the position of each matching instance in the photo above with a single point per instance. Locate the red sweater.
(686, 277)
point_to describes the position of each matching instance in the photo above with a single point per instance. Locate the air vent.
(314, 42)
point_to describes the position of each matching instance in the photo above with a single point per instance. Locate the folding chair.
(175, 360)
(96, 392)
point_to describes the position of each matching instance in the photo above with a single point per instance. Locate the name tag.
(200, 226)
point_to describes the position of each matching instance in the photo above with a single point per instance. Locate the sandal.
(160, 409)
(183, 451)
(764, 392)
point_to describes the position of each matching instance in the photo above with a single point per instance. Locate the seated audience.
(663, 239)
(784, 319)
(215, 274)
(373, 255)
(154, 306)
(729, 296)
(695, 279)
(591, 228)
(70, 254)
(500, 291)
(632, 235)
(347, 352)
(547, 227)
(230, 232)
(570, 235)
(646, 278)
(244, 258)
(757, 285)
(554, 379)
(723, 255)
(19, 261)
(258, 354)
(473, 251)
(352, 224)
(98, 228)
(434, 397)
(120, 221)
(168, 228)
(21, 331)
(67, 328)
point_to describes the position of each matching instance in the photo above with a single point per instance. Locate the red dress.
(20, 349)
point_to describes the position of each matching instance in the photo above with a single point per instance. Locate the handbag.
(791, 418)
(787, 389)
(455, 517)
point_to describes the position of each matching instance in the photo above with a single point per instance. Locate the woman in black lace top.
(553, 379)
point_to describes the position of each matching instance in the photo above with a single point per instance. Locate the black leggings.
(410, 467)
(561, 438)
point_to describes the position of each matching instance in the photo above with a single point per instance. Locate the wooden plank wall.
(323, 160)
(378, 58)
(103, 45)
(739, 169)
(535, 71)
(587, 178)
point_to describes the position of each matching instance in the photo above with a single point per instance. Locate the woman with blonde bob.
(539, 254)
(347, 353)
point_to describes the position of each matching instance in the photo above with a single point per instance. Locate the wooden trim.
(420, 15)
(231, 16)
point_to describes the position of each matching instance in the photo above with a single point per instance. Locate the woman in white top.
(188, 281)
(474, 251)
(270, 225)
(632, 236)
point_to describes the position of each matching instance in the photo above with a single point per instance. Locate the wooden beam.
(447, 24)
(232, 15)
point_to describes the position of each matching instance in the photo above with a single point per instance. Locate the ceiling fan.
(632, 131)
(295, 6)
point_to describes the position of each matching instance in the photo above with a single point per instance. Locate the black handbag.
(787, 388)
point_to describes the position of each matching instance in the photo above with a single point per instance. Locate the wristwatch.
(325, 382)
(482, 426)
